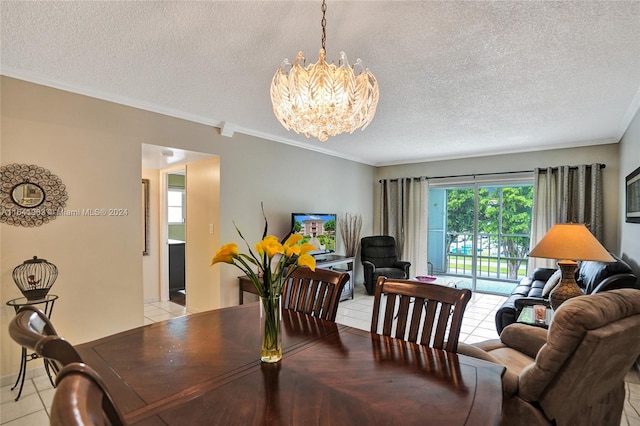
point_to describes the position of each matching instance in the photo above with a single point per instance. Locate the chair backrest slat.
(317, 303)
(315, 293)
(416, 311)
(434, 319)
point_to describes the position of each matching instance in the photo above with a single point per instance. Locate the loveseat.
(592, 277)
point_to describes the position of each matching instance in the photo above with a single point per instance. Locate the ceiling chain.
(324, 24)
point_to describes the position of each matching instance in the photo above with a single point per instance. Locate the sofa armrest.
(368, 269)
(480, 350)
(368, 265)
(530, 301)
(525, 338)
(613, 282)
(404, 265)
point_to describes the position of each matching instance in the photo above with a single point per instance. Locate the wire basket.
(34, 277)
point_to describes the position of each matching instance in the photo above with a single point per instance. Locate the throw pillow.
(551, 283)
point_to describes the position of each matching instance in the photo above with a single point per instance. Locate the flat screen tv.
(318, 229)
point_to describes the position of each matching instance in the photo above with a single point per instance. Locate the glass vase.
(270, 319)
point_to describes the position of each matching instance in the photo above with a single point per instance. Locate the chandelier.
(323, 99)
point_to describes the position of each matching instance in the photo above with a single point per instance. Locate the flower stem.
(271, 350)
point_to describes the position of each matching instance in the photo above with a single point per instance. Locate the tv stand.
(338, 263)
(331, 261)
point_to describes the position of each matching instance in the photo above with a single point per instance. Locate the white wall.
(607, 154)
(95, 147)
(629, 161)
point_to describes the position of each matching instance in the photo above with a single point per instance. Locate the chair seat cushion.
(514, 360)
(390, 273)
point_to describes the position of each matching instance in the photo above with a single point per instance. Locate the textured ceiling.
(456, 79)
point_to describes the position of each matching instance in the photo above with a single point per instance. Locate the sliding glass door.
(479, 234)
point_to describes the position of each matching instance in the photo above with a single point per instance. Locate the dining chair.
(81, 398)
(432, 312)
(315, 293)
(32, 329)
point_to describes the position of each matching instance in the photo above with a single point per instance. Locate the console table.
(331, 261)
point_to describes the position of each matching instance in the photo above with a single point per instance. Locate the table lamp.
(569, 242)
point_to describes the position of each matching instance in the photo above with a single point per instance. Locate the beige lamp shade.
(571, 241)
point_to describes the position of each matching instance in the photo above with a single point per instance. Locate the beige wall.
(607, 154)
(95, 147)
(98, 257)
(203, 238)
(287, 180)
(629, 161)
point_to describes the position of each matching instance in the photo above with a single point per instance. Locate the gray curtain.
(566, 194)
(404, 216)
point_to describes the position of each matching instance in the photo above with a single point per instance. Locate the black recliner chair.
(379, 257)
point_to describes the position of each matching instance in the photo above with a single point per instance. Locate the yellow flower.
(268, 272)
(307, 260)
(269, 245)
(306, 248)
(291, 251)
(292, 240)
(225, 254)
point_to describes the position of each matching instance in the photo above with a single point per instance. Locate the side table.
(48, 301)
(526, 316)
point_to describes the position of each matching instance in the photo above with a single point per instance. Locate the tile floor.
(477, 325)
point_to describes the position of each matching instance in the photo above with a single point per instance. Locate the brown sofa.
(572, 374)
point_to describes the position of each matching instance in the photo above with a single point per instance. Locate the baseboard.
(32, 373)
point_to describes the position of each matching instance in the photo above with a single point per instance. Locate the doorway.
(197, 216)
(176, 231)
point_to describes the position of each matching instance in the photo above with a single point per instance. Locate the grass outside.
(487, 267)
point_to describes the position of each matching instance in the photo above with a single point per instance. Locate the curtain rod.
(602, 166)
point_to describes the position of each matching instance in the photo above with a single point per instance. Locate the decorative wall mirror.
(30, 195)
(27, 195)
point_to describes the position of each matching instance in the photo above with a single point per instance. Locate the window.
(175, 204)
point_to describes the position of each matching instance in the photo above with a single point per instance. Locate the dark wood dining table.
(205, 369)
